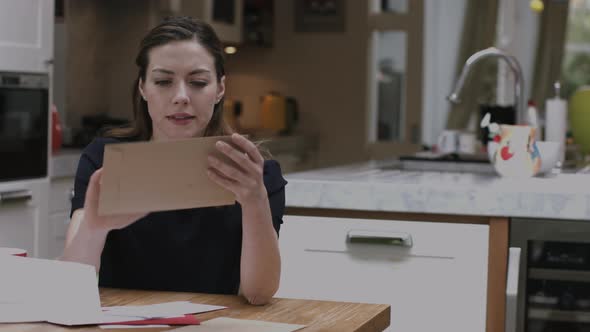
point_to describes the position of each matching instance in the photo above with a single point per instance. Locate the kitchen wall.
(84, 71)
(326, 72)
(102, 37)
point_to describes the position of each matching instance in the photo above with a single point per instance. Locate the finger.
(227, 170)
(247, 146)
(92, 192)
(221, 180)
(239, 157)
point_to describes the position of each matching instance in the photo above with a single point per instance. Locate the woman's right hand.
(103, 223)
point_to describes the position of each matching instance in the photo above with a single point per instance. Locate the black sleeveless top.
(191, 250)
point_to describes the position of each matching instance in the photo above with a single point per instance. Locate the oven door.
(24, 118)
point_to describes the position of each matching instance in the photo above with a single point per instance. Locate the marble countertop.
(365, 186)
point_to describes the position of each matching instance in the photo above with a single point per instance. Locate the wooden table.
(317, 315)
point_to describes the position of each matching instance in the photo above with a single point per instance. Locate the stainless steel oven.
(24, 119)
(551, 280)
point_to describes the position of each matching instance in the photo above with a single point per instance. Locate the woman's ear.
(220, 89)
(140, 87)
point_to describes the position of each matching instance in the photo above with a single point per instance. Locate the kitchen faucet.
(514, 66)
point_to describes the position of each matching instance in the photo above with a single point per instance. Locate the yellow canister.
(273, 112)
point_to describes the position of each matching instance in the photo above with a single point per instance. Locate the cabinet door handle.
(16, 196)
(512, 289)
(377, 237)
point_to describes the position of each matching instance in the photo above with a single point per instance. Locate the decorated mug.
(514, 151)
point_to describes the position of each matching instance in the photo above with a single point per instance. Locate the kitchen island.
(459, 207)
(377, 186)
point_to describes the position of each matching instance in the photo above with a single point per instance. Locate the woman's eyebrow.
(192, 72)
(199, 71)
(165, 71)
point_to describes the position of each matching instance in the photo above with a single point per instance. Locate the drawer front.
(439, 282)
(17, 226)
(58, 223)
(61, 191)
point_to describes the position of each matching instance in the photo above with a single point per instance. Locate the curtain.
(550, 49)
(479, 32)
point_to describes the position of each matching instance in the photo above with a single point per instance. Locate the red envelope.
(182, 320)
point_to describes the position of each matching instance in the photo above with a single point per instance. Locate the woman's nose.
(181, 96)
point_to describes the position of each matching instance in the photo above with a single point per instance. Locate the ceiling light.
(230, 50)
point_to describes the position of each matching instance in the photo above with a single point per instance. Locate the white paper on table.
(131, 326)
(19, 312)
(117, 314)
(226, 324)
(33, 290)
(161, 310)
(66, 293)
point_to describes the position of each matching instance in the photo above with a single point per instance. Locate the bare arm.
(83, 245)
(260, 263)
(87, 232)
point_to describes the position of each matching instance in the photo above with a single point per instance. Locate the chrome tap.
(514, 66)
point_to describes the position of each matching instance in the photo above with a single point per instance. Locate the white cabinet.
(434, 275)
(59, 213)
(23, 215)
(26, 35)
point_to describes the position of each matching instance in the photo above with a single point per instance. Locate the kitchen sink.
(431, 162)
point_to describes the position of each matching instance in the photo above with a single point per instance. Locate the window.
(394, 76)
(576, 61)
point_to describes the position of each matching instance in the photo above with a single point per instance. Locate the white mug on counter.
(456, 141)
(448, 141)
(467, 143)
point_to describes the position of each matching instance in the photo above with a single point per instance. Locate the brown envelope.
(158, 176)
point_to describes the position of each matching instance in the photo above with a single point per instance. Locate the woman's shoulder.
(94, 151)
(97, 145)
(273, 176)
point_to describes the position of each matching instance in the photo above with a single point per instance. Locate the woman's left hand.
(245, 180)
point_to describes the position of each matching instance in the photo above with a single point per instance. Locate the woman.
(233, 249)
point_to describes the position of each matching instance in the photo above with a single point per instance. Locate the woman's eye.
(163, 82)
(198, 83)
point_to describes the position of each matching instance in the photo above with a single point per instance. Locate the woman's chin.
(183, 133)
(182, 136)
(175, 136)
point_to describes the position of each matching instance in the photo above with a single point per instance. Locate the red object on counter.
(183, 320)
(13, 252)
(56, 130)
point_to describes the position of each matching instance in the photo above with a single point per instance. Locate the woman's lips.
(180, 119)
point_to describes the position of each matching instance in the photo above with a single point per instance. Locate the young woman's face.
(181, 89)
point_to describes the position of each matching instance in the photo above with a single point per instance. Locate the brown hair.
(169, 30)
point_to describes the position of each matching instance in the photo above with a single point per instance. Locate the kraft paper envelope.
(158, 176)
